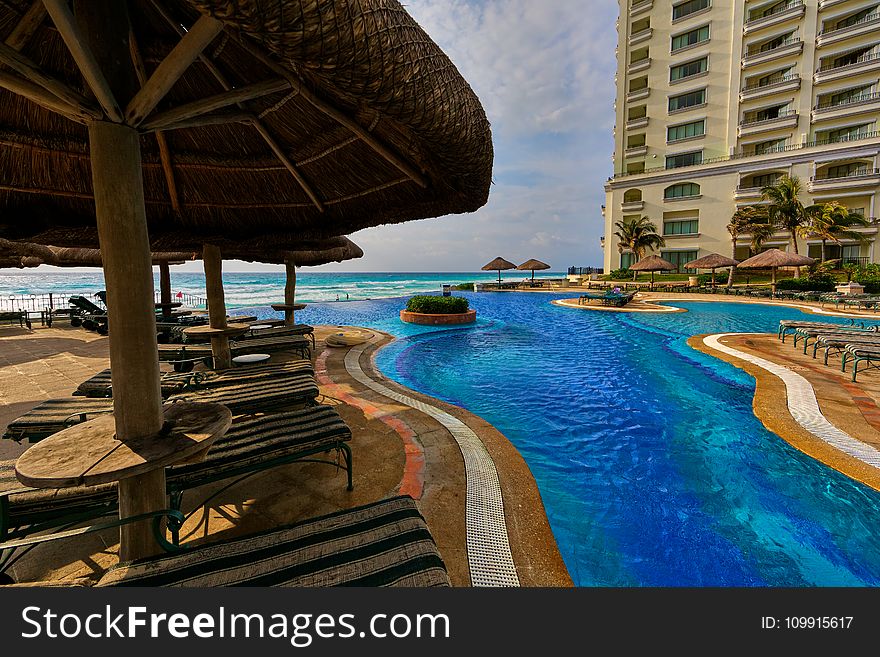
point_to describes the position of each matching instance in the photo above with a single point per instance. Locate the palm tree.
(785, 209)
(751, 220)
(830, 222)
(638, 235)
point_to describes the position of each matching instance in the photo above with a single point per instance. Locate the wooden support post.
(117, 178)
(26, 27)
(289, 288)
(165, 288)
(213, 262)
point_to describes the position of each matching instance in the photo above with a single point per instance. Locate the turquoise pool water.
(652, 466)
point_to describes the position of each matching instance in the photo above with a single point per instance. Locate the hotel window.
(682, 227)
(854, 57)
(688, 8)
(773, 78)
(689, 69)
(685, 131)
(690, 99)
(682, 190)
(692, 38)
(772, 44)
(849, 96)
(684, 159)
(772, 9)
(856, 18)
(627, 260)
(771, 146)
(679, 259)
(847, 134)
(763, 180)
(632, 196)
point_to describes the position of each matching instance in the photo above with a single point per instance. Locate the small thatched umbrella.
(213, 118)
(653, 263)
(532, 265)
(712, 261)
(499, 264)
(774, 258)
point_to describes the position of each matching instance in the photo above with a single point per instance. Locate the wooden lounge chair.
(386, 543)
(260, 344)
(53, 415)
(303, 330)
(257, 396)
(100, 385)
(250, 446)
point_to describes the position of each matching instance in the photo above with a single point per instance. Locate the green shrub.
(469, 287)
(804, 284)
(619, 274)
(437, 305)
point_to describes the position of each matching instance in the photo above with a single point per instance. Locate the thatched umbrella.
(653, 263)
(712, 261)
(774, 258)
(499, 264)
(295, 118)
(533, 265)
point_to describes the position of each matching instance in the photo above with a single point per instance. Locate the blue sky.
(544, 72)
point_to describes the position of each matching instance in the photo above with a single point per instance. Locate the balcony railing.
(860, 173)
(746, 154)
(640, 6)
(751, 52)
(747, 123)
(794, 7)
(861, 261)
(790, 77)
(855, 100)
(864, 59)
(870, 18)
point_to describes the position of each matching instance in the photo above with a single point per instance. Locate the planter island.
(438, 311)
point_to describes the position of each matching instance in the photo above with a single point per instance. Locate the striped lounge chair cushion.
(257, 396)
(172, 352)
(279, 343)
(53, 415)
(276, 331)
(250, 444)
(100, 385)
(255, 443)
(386, 543)
(253, 373)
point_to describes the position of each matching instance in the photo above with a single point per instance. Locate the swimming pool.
(652, 466)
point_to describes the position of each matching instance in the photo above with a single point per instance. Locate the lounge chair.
(185, 356)
(859, 354)
(250, 446)
(256, 396)
(53, 415)
(303, 330)
(386, 543)
(608, 298)
(19, 317)
(806, 334)
(100, 384)
(836, 344)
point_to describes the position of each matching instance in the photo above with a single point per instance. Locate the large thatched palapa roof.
(341, 115)
(533, 265)
(711, 261)
(28, 254)
(653, 263)
(498, 264)
(308, 254)
(775, 258)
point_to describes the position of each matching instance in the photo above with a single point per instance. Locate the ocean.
(264, 288)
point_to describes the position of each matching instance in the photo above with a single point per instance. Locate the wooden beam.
(26, 27)
(164, 152)
(215, 102)
(84, 58)
(46, 100)
(281, 155)
(171, 68)
(29, 69)
(211, 119)
(336, 115)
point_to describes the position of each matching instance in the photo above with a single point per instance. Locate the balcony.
(865, 64)
(639, 65)
(640, 36)
(866, 177)
(638, 94)
(742, 193)
(640, 7)
(787, 119)
(825, 4)
(865, 26)
(636, 151)
(788, 83)
(632, 206)
(638, 122)
(787, 48)
(865, 103)
(792, 11)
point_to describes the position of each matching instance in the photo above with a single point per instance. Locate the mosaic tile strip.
(489, 556)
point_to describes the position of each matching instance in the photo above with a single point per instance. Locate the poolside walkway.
(847, 411)
(397, 449)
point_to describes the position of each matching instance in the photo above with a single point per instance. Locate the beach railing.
(54, 300)
(188, 300)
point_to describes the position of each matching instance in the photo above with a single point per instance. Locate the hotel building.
(717, 98)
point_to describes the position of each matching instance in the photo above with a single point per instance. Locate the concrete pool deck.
(397, 449)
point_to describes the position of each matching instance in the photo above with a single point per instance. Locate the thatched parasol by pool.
(533, 265)
(653, 263)
(213, 119)
(499, 264)
(773, 259)
(712, 261)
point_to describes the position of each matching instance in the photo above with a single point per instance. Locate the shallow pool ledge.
(635, 306)
(803, 407)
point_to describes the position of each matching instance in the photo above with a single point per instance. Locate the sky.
(544, 72)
